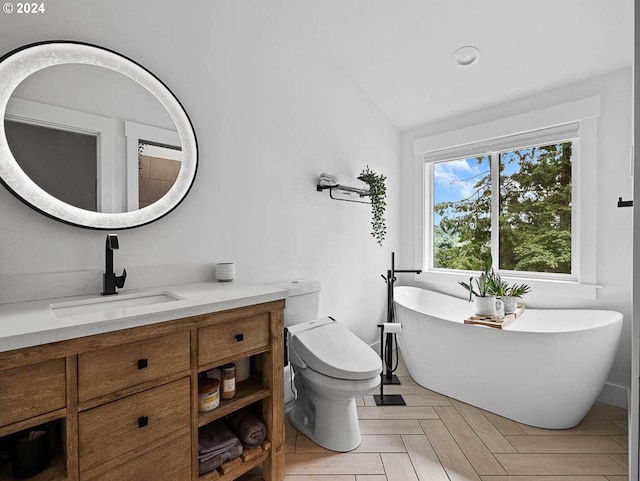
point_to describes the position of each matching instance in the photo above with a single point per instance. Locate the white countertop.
(25, 324)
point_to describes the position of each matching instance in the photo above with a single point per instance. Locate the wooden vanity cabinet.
(126, 402)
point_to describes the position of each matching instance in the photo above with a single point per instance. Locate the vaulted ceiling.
(400, 52)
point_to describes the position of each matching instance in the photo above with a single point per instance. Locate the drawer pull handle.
(239, 337)
(143, 363)
(143, 421)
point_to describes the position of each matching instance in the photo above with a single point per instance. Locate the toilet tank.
(303, 297)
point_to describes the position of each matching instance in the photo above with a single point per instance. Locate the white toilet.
(331, 366)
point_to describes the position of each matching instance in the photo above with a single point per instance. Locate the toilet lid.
(333, 350)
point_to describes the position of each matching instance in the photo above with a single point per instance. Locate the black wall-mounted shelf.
(351, 191)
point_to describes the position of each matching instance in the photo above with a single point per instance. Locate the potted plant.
(511, 296)
(508, 293)
(484, 290)
(377, 194)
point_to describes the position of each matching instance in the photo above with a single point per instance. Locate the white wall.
(614, 225)
(271, 111)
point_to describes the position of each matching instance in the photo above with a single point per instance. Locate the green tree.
(466, 224)
(534, 215)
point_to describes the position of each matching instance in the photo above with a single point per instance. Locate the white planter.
(510, 304)
(489, 306)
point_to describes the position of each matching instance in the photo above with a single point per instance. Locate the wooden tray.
(495, 322)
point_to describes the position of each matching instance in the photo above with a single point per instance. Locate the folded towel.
(211, 462)
(215, 438)
(329, 180)
(248, 427)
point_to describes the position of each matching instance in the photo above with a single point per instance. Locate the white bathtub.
(546, 369)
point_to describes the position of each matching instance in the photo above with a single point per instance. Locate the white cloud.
(458, 177)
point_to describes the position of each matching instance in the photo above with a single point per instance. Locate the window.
(486, 145)
(511, 198)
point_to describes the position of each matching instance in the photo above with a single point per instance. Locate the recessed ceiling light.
(466, 56)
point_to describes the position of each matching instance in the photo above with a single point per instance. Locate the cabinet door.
(113, 430)
(107, 370)
(32, 390)
(232, 338)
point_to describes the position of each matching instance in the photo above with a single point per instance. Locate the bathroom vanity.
(119, 382)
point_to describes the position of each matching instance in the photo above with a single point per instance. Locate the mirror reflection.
(93, 138)
(134, 150)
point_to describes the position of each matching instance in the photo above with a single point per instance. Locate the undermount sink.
(112, 303)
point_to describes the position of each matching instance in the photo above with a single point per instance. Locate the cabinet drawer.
(232, 338)
(32, 390)
(107, 370)
(170, 461)
(114, 429)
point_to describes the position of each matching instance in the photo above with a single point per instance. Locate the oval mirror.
(91, 138)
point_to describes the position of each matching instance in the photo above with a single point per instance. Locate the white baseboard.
(615, 395)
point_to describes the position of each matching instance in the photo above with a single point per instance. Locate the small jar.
(208, 394)
(225, 271)
(228, 378)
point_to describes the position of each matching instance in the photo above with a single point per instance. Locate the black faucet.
(389, 378)
(390, 280)
(109, 279)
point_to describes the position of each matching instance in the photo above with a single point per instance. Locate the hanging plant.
(378, 193)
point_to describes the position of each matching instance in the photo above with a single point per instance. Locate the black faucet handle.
(120, 279)
(112, 241)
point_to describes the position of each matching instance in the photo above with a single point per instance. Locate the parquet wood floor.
(435, 438)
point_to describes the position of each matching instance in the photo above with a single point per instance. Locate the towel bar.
(345, 190)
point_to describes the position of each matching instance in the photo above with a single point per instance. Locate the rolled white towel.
(342, 181)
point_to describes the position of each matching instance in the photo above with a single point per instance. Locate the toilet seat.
(330, 348)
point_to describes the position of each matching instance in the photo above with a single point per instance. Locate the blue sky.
(454, 180)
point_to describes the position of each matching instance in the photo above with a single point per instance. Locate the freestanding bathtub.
(546, 369)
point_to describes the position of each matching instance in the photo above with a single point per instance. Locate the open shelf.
(56, 470)
(254, 392)
(247, 392)
(237, 467)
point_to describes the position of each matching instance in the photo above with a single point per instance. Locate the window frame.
(581, 283)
